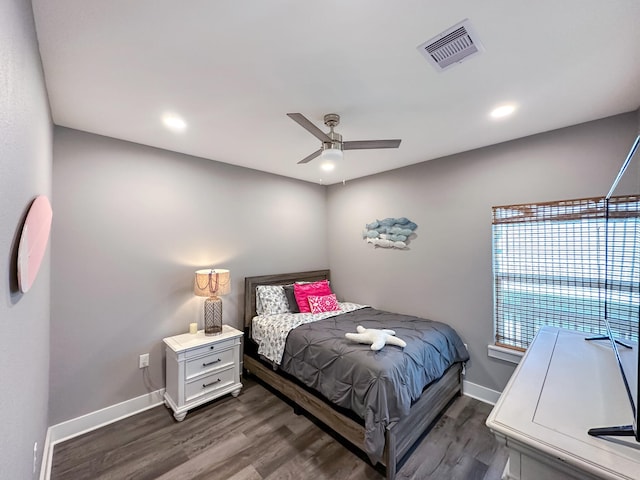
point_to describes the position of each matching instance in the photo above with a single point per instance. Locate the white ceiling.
(233, 70)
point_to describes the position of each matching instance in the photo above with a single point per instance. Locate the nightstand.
(201, 368)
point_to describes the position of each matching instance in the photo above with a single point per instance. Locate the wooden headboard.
(250, 284)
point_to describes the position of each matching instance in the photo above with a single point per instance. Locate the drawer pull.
(211, 347)
(211, 363)
(205, 385)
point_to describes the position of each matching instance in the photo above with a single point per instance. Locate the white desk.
(563, 386)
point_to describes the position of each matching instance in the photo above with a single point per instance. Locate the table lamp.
(211, 283)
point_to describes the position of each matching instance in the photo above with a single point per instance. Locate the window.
(566, 264)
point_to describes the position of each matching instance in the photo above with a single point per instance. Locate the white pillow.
(270, 300)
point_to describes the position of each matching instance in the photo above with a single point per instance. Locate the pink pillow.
(303, 290)
(326, 303)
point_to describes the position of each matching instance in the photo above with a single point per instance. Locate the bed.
(403, 413)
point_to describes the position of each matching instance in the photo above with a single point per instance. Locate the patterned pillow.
(302, 291)
(325, 303)
(272, 299)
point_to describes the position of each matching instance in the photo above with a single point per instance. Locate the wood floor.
(257, 436)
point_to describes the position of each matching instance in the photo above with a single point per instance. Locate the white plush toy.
(377, 338)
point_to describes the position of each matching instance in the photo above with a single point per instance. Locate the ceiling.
(233, 70)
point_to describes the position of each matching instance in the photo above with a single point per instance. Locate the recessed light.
(327, 166)
(174, 122)
(503, 111)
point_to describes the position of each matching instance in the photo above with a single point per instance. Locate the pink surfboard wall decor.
(33, 241)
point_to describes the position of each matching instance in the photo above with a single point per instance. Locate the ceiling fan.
(332, 144)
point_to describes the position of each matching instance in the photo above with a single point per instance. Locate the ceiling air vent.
(452, 46)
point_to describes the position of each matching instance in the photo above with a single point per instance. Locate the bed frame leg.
(390, 455)
(391, 471)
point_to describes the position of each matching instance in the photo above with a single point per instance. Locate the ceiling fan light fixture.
(332, 154)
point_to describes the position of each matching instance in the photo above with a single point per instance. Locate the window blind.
(566, 264)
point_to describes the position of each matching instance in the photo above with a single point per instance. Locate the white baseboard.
(479, 392)
(91, 421)
(47, 457)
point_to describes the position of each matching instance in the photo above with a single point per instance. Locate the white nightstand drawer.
(213, 347)
(209, 383)
(213, 361)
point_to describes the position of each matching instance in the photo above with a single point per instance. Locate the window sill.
(505, 354)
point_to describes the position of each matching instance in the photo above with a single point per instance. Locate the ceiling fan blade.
(362, 144)
(311, 157)
(310, 127)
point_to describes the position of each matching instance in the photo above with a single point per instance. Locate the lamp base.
(213, 316)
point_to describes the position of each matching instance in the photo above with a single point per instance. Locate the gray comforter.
(379, 387)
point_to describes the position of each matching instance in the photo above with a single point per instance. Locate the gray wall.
(446, 274)
(132, 225)
(25, 172)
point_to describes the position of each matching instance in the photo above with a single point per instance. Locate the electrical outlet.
(144, 360)
(35, 456)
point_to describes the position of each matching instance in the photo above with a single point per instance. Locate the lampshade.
(212, 282)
